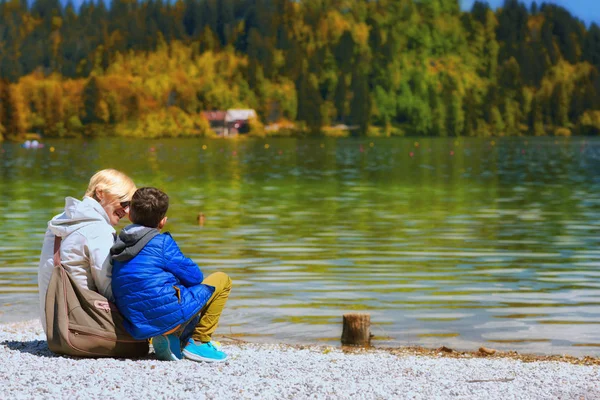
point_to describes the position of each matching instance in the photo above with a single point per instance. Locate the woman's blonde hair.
(112, 182)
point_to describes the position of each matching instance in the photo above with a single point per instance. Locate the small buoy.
(234, 153)
(152, 149)
(416, 144)
(200, 219)
(266, 145)
(451, 152)
(204, 147)
(411, 154)
(51, 149)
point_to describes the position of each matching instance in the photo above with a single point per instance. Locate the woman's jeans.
(202, 326)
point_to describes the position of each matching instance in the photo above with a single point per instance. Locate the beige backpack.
(83, 323)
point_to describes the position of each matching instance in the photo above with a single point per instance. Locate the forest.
(384, 67)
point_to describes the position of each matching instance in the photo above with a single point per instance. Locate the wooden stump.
(356, 330)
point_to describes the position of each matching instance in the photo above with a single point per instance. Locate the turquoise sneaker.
(203, 352)
(167, 348)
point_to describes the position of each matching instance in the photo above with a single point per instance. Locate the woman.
(87, 231)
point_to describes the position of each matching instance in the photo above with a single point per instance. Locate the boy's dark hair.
(148, 207)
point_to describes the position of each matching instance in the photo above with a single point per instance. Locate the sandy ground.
(274, 371)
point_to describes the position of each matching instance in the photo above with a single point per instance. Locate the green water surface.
(450, 242)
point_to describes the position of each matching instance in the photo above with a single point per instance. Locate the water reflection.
(445, 242)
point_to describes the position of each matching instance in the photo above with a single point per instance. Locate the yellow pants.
(211, 312)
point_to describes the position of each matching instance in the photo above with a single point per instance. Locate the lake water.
(450, 242)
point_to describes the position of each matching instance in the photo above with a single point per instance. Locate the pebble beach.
(274, 371)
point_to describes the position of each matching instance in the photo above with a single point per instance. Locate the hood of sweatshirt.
(131, 241)
(77, 214)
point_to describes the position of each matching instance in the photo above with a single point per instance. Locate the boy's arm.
(184, 269)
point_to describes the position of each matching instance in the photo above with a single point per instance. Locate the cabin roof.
(239, 114)
(214, 115)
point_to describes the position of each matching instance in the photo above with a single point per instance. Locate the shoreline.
(242, 340)
(275, 371)
(443, 351)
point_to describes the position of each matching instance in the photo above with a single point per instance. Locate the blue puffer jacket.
(155, 286)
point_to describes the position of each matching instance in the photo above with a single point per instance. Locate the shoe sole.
(162, 349)
(196, 357)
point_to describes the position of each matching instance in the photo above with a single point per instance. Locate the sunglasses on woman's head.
(125, 204)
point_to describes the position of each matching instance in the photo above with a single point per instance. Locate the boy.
(160, 292)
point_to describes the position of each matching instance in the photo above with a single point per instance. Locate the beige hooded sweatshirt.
(87, 237)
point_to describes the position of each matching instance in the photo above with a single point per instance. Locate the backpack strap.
(57, 240)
